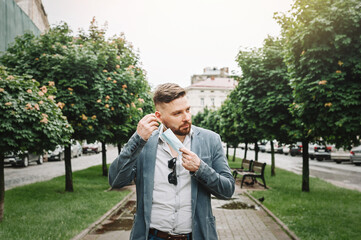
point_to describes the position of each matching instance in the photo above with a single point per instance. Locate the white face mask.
(172, 140)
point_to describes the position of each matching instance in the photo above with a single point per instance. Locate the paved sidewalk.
(252, 222)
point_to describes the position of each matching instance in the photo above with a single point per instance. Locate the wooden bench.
(246, 166)
(256, 170)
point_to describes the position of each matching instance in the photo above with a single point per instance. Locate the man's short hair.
(167, 92)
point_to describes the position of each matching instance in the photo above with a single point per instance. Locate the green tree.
(100, 86)
(123, 94)
(229, 130)
(53, 56)
(264, 93)
(322, 53)
(232, 118)
(200, 118)
(29, 119)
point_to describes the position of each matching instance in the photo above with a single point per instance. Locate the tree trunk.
(104, 160)
(273, 170)
(256, 149)
(119, 148)
(227, 152)
(68, 171)
(2, 187)
(234, 154)
(305, 167)
(245, 151)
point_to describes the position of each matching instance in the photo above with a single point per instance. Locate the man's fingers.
(147, 125)
(148, 121)
(184, 165)
(153, 129)
(149, 118)
(184, 150)
(151, 124)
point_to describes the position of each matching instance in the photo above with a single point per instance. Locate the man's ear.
(158, 115)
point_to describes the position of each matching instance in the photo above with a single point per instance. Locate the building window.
(202, 101)
(212, 101)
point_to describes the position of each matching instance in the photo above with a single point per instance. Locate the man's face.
(176, 115)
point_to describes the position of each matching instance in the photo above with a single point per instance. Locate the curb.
(104, 217)
(278, 221)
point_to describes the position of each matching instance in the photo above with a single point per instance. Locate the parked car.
(356, 155)
(276, 146)
(92, 147)
(58, 153)
(262, 147)
(76, 149)
(23, 159)
(340, 155)
(286, 149)
(311, 150)
(322, 152)
(296, 149)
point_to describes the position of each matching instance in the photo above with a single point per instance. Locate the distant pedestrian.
(173, 186)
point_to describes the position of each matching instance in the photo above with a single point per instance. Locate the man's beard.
(181, 131)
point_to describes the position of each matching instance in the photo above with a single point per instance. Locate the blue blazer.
(137, 161)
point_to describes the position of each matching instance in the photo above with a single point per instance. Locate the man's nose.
(187, 117)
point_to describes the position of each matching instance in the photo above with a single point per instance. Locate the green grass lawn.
(326, 212)
(45, 211)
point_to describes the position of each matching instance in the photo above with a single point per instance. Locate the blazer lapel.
(196, 148)
(148, 175)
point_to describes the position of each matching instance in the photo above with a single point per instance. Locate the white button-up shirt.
(171, 206)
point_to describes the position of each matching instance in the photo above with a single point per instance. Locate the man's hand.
(147, 125)
(191, 161)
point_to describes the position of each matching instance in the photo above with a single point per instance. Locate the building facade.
(20, 16)
(36, 12)
(209, 89)
(209, 72)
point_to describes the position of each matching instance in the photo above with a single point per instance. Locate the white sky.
(177, 39)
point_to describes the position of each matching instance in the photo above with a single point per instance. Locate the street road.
(19, 176)
(346, 175)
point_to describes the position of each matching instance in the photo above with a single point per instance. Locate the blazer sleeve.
(217, 178)
(123, 169)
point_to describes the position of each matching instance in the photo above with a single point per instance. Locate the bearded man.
(173, 186)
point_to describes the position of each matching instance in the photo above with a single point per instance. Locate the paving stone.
(232, 224)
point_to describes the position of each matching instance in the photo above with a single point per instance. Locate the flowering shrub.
(29, 116)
